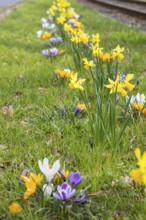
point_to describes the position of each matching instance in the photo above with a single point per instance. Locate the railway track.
(133, 7)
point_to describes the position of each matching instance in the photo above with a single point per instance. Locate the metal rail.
(135, 7)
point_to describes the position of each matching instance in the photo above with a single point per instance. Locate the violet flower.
(45, 52)
(78, 109)
(59, 39)
(75, 178)
(81, 197)
(54, 52)
(64, 192)
(53, 40)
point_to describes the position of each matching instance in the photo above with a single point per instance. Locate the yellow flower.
(66, 73)
(61, 20)
(15, 208)
(97, 51)
(117, 53)
(82, 107)
(61, 51)
(88, 64)
(76, 83)
(144, 111)
(31, 182)
(76, 39)
(139, 175)
(67, 27)
(121, 84)
(125, 83)
(59, 177)
(46, 35)
(105, 57)
(137, 106)
(36, 178)
(95, 38)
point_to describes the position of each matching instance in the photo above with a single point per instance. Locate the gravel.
(115, 14)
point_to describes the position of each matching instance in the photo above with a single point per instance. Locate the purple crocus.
(54, 52)
(78, 109)
(45, 52)
(59, 39)
(81, 197)
(53, 40)
(64, 192)
(75, 178)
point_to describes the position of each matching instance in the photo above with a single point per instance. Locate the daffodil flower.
(139, 175)
(88, 64)
(121, 84)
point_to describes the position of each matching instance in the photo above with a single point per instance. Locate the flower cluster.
(54, 182)
(137, 103)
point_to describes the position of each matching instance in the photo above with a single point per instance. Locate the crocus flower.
(45, 53)
(51, 27)
(81, 197)
(64, 192)
(59, 39)
(39, 33)
(31, 183)
(47, 189)
(53, 40)
(75, 178)
(137, 102)
(80, 108)
(54, 52)
(15, 208)
(49, 172)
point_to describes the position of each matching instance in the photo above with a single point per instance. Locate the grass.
(37, 129)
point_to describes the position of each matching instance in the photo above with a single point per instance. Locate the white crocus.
(39, 33)
(44, 20)
(47, 171)
(140, 98)
(47, 189)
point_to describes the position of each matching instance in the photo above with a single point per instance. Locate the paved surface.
(5, 3)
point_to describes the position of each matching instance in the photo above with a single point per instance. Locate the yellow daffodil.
(105, 57)
(76, 39)
(121, 84)
(61, 20)
(88, 64)
(76, 83)
(67, 27)
(15, 208)
(97, 51)
(95, 38)
(139, 175)
(117, 53)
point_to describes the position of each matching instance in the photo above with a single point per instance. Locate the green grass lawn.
(37, 128)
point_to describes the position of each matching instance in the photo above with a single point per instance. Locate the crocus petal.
(47, 189)
(44, 167)
(56, 196)
(55, 167)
